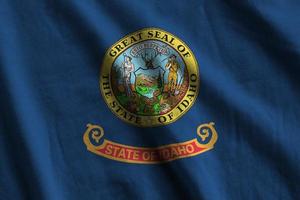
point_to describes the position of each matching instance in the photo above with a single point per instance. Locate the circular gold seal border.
(139, 36)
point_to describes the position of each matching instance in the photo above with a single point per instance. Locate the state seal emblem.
(149, 78)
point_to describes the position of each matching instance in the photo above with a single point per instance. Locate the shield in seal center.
(149, 82)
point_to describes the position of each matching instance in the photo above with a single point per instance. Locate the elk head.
(149, 60)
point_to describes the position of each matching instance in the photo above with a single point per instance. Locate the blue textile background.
(249, 57)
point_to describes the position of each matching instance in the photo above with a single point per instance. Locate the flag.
(149, 99)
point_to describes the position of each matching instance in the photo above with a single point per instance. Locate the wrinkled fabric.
(249, 62)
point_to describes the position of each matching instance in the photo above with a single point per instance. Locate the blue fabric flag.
(149, 99)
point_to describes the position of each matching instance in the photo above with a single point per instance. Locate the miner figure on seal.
(173, 66)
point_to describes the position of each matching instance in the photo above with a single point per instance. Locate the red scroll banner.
(205, 140)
